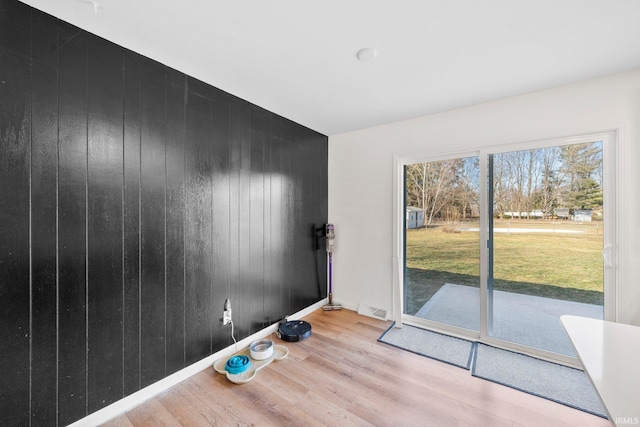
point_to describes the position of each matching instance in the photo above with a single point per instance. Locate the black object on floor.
(294, 330)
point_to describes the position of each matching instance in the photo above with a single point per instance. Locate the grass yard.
(550, 263)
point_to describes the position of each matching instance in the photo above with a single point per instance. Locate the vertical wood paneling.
(274, 291)
(72, 238)
(234, 214)
(175, 221)
(221, 336)
(131, 223)
(104, 223)
(287, 219)
(15, 126)
(141, 201)
(317, 146)
(198, 217)
(318, 210)
(266, 221)
(152, 221)
(240, 213)
(44, 165)
(305, 275)
(300, 270)
(259, 136)
(306, 294)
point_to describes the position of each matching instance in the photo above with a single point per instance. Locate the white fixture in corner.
(377, 313)
(367, 54)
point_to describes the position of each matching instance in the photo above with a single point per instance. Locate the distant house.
(532, 214)
(582, 215)
(579, 215)
(415, 217)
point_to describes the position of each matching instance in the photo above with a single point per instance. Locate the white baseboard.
(347, 306)
(139, 397)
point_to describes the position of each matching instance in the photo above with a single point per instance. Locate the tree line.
(528, 182)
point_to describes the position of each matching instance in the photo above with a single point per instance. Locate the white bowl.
(261, 350)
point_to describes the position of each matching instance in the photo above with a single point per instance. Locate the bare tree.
(433, 186)
(546, 194)
(501, 185)
(523, 181)
(470, 186)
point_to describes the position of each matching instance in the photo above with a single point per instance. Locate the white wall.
(361, 178)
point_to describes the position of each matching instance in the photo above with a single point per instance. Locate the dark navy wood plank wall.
(72, 234)
(198, 217)
(15, 166)
(221, 247)
(105, 165)
(44, 165)
(131, 222)
(152, 221)
(175, 218)
(134, 200)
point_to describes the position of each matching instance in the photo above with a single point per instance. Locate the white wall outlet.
(226, 315)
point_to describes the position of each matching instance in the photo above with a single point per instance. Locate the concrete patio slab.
(529, 320)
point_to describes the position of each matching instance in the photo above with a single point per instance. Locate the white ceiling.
(297, 57)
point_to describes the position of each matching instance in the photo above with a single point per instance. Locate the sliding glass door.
(442, 270)
(499, 245)
(545, 240)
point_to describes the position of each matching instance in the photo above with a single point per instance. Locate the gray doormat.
(443, 348)
(561, 384)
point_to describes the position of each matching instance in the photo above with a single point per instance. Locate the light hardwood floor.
(342, 376)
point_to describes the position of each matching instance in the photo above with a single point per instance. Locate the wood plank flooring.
(342, 376)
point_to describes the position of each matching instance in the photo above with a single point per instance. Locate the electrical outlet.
(226, 315)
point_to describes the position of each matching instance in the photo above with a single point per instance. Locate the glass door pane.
(545, 242)
(442, 250)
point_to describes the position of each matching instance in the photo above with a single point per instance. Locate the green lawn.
(549, 264)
